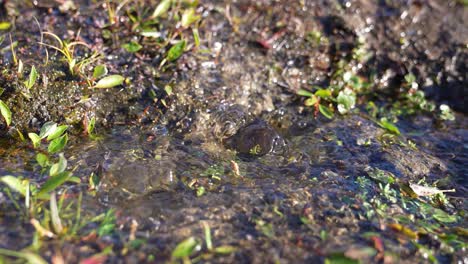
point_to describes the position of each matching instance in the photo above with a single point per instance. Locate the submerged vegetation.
(188, 131)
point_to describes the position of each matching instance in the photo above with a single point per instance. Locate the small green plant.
(100, 72)
(67, 49)
(132, 46)
(90, 127)
(200, 191)
(189, 17)
(5, 25)
(214, 172)
(110, 81)
(175, 52)
(389, 126)
(26, 255)
(411, 100)
(179, 19)
(340, 96)
(266, 228)
(107, 225)
(188, 247)
(31, 191)
(446, 113)
(13, 52)
(29, 83)
(316, 38)
(161, 8)
(5, 112)
(185, 249)
(54, 134)
(58, 220)
(318, 100)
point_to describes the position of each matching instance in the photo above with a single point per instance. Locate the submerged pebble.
(256, 139)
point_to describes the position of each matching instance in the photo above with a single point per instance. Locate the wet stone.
(138, 177)
(227, 119)
(256, 139)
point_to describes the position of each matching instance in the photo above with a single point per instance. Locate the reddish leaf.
(94, 260)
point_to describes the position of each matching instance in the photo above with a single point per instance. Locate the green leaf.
(443, 217)
(340, 258)
(161, 8)
(189, 17)
(110, 81)
(74, 179)
(201, 191)
(185, 248)
(311, 101)
(384, 123)
(47, 129)
(151, 34)
(20, 135)
(225, 250)
(32, 78)
(323, 93)
(6, 113)
(303, 92)
(355, 82)
(446, 113)
(36, 140)
(31, 257)
(326, 111)
(107, 225)
(20, 68)
(382, 176)
(28, 256)
(57, 144)
(91, 125)
(99, 71)
(207, 231)
(94, 180)
(410, 78)
(346, 100)
(71, 65)
(168, 89)
(136, 243)
(132, 46)
(106, 229)
(438, 214)
(15, 184)
(58, 167)
(53, 182)
(57, 132)
(176, 51)
(42, 160)
(5, 25)
(196, 37)
(54, 214)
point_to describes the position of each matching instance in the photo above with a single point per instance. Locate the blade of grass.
(78, 215)
(56, 222)
(209, 243)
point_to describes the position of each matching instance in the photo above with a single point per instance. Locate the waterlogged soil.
(231, 145)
